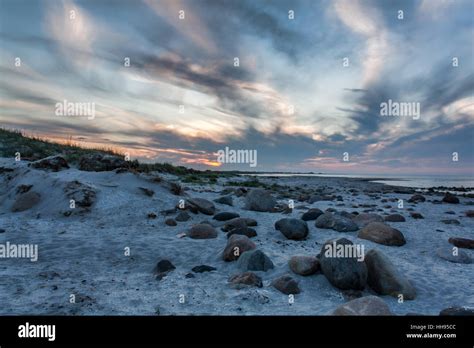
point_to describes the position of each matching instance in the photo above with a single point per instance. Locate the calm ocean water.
(407, 181)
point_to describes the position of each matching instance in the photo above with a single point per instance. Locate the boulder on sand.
(462, 242)
(238, 223)
(224, 216)
(312, 214)
(202, 205)
(254, 260)
(227, 200)
(236, 245)
(286, 284)
(381, 233)
(295, 229)
(364, 219)
(367, 305)
(450, 198)
(336, 222)
(304, 265)
(246, 231)
(385, 279)
(454, 255)
(260, 200)
(343, 272)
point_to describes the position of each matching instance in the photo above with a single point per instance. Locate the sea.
(415, 181)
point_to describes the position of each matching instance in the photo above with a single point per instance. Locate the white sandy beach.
(83, 254)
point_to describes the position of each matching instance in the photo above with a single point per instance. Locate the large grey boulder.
(385, 279)
(337, 222)
(295, 229)
(381, 233)
(346, 273)
(260, 200)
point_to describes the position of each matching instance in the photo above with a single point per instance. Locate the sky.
(305, 95)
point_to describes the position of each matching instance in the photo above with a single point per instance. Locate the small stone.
(246, 231)
(395, 218)
(450, 198)
(203, 268)
(202, 231)
(286, 284)
(462, 242)
(182, 216)
(304, 265)
(224, 216)
(245, 279)
(454, 255)
(254, 260)
(416, 215)
(312, 214)
(170, 222)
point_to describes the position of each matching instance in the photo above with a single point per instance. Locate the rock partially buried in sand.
(202, 231)
(462, 242)
(254, 260)
(162, 268)
(54, 163)
(381, 233)
(236, 246)
(304, 265)
(83, 195)
(101, 163)
(343, 272)
(245, 279)
(367, 305)
(336, 222)
(292, 228)
(312, 214)
(454, 255)
(286, 284)
(385, 279)
(395, 218)
(260, 200)
(224, 216)
(450, 198)
(364, 219)
(26, 201)
(202, 205)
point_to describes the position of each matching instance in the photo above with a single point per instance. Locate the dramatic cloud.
(248, 75)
